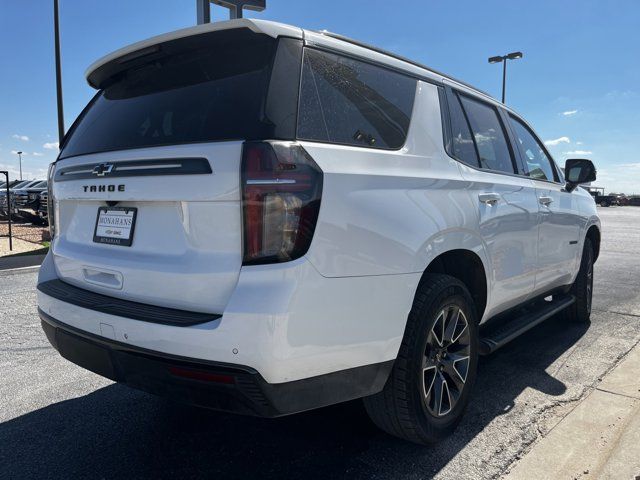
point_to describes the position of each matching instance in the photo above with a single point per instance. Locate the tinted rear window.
(489, 135)
(346, 101)
(208, 88)
(463, 143)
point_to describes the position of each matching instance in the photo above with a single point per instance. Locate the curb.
(20, 264)
(599, 438)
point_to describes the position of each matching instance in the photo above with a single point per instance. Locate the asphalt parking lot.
(60, 421)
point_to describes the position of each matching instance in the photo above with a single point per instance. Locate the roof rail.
(337, 36)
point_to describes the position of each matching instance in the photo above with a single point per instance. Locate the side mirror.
(577, 171)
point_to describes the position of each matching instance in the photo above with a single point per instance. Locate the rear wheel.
(428, 389)
(582, 288)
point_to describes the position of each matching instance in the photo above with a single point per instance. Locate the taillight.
(282, 187)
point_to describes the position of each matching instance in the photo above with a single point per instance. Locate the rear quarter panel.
(392, 212)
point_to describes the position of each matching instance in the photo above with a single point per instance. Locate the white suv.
(262, 219)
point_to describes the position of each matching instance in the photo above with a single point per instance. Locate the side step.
(496, 336)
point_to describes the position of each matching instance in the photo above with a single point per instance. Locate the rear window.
(350, 102)
(207, 88)
(464, 147)
(489, 135)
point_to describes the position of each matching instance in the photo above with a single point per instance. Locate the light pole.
(235, 7)
(503, 59)
(20, 157)
(56, 33)
(203, 11)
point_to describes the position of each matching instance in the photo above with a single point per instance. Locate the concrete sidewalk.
(599, 438)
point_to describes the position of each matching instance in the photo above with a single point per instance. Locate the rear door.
(560, 220)
(147, 187)
(506, 202)
(184, 250)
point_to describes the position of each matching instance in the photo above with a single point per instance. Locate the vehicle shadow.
(116, 432)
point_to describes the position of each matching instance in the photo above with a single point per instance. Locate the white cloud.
(569, 113)
(28, 173)
(616, 178)
(13, 172)
(24, 138)
(578, 152)
(579, 143)
(557, 141)
(15, 152)
(51, 145)
(621, 94)
(38, 154)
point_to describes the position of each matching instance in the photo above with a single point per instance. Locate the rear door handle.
(489, 198)
(546, 201)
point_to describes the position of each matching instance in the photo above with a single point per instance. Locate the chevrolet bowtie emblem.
(102, 169)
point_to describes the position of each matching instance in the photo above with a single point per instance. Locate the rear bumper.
(284, 321)
(219, 386)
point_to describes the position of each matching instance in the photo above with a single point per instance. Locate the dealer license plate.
(115, 225)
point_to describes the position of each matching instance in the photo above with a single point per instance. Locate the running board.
(501, 334)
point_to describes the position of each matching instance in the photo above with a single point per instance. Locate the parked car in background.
(43, 208)
(18, 186)
(12, 183)
(621, 197)
(28, 197)
(608, 200)
(15, 185)
(257, 218)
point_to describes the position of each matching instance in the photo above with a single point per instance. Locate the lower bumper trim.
(123, 308)
(219, 386)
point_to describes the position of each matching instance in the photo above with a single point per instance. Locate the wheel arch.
(593, 234)
(467, 266)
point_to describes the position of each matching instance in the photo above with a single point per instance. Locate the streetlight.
(235, 7)
(503, 59)
(20, 157)
(56, 34)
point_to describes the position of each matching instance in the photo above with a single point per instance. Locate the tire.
(582, 288)
(39, 221)
(408, 406)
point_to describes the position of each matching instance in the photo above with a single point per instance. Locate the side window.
(489, 135)
(537, 162)
(351, 102)
(462, 141)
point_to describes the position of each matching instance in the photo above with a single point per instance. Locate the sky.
(578, 83)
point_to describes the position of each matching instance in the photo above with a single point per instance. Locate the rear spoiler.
(108, 66)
